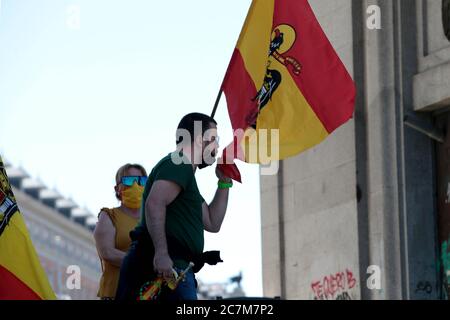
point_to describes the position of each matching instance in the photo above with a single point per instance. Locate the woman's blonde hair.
(123, 169)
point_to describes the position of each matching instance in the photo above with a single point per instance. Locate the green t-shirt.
(184, 218)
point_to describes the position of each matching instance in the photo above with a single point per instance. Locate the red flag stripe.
(323, 81)
(14, 289)
(237, 85)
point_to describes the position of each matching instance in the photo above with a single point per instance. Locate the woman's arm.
(105, 234)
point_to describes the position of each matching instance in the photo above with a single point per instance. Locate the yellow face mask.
(132, 197)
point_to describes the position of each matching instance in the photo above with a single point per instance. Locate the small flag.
(151, 290)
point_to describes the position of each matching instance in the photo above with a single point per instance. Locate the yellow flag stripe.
(299, 127)
(18, 256)
(254, 40)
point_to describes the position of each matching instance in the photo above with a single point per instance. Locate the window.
(446, 17)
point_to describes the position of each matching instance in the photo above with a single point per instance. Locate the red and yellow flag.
(285, 75)
(21, 274)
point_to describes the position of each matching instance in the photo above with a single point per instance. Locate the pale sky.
(77, 101)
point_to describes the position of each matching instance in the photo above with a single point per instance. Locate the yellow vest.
(110, 277)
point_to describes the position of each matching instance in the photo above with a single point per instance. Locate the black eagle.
(276, 42)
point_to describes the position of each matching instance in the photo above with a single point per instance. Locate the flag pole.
(219, 96)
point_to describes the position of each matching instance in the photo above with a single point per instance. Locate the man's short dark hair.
(188, 122)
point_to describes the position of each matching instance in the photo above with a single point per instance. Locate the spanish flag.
(21, 274)
(285, 75)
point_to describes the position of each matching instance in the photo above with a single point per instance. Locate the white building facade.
(372, 200)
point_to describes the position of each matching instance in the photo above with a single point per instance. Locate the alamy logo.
(254, 146)
(374, 19)
(73, 281)
(374, 281)
(73, 20)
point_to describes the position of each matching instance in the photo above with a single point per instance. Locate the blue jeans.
(186, 289)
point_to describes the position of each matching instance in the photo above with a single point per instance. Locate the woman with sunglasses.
(114, 225)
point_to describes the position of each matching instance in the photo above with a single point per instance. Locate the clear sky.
(77, 101)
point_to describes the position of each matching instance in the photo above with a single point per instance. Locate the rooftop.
(21, 180)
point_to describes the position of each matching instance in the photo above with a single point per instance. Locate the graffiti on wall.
(424, 287)
(336, 286)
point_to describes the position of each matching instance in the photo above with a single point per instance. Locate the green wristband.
(224, 185)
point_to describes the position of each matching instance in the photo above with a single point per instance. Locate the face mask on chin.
(205, 164)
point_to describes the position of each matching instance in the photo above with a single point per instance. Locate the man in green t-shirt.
(174, 214)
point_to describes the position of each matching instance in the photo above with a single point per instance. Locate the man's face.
(210, 146)
(211, 139)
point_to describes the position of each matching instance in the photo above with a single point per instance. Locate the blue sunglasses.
(130, 180)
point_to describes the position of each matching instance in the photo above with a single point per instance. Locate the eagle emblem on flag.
(283, 38)
(8, 204)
